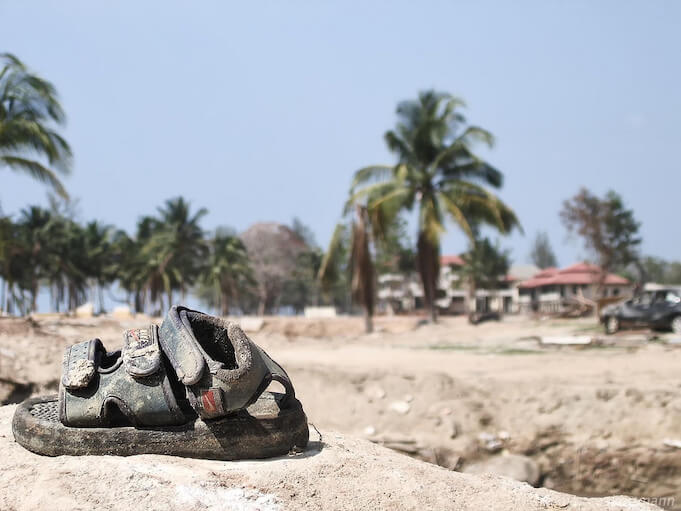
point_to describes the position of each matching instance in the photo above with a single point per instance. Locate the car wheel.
(676, 325)
(612, 325)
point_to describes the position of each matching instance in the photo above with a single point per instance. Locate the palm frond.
(370, 174)
(36, 171)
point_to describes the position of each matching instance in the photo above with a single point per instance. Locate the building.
(554, 290)
(404, 293)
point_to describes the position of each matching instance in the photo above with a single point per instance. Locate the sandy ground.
(335, 472)
(594, 419)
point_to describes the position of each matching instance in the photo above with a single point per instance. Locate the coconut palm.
(35, 229)
(29, 113)
(361, 265)
(227, 273)
(437, 174)
(13, 269)
(98, 257)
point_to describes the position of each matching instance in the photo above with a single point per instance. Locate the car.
(659, 309)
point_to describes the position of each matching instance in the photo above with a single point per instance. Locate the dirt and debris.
(338, 473)
(576, 411)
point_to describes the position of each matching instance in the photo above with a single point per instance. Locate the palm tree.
(98, 258)
(438, 174)
(128, 265)
(29, 108)
(228, 272)
(35, 226)
(361, 265)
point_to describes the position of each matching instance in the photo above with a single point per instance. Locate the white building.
(400, 293)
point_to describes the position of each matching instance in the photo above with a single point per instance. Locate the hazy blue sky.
(263, 113)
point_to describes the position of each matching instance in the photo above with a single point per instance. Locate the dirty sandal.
(194, 387)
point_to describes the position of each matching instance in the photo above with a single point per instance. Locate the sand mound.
(336, 473)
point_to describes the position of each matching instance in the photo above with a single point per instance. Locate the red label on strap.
(208, 401)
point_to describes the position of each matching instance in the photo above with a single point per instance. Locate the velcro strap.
(181, 347)
(141, 352)
(78, 365)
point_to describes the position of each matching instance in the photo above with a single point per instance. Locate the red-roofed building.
(404, 293)
(551, 289)
(454, 260)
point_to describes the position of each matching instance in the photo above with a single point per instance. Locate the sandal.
(194, 387)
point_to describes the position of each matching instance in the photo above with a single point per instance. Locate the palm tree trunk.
(368, 321)
(224, 304)
(428, 262)
(100, 292)
(3, 293)
(34, 295)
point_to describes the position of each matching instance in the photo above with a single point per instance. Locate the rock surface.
(336, 473)
(515, 466)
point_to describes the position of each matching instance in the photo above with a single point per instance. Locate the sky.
(262, 111)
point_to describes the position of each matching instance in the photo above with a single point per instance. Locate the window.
(672, 297)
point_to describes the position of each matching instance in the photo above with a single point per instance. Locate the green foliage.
(335, 269)
(438, 174)
(168, 253)
(485, 264)
(29, 114)
(542, 254)
(394, 251)
(227, 277)
(349, 257)
(608, 229)
(303, 288)
(660, 271)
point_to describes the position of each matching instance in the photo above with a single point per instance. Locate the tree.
(29, 114)
(484, 266)
(166, 254)
(227, 274)
(360, 264)
(438, 174)
(98, 256)
(394, 250)
(176, 248)
(273, 250)
(660, 271)
(335, 270)
(608, 229)
(302, 288)
(542, 254)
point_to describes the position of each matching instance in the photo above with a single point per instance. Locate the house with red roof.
(552, 289)
(404, 293)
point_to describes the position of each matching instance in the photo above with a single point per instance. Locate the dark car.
(660, 309)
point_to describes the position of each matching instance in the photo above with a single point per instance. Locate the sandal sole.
(263, 430)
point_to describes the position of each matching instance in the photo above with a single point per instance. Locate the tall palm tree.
(437, 174)
(98, 258)
(29, 113)
(35, 226)
(176, 248)
(227, 273)
(361, 265)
